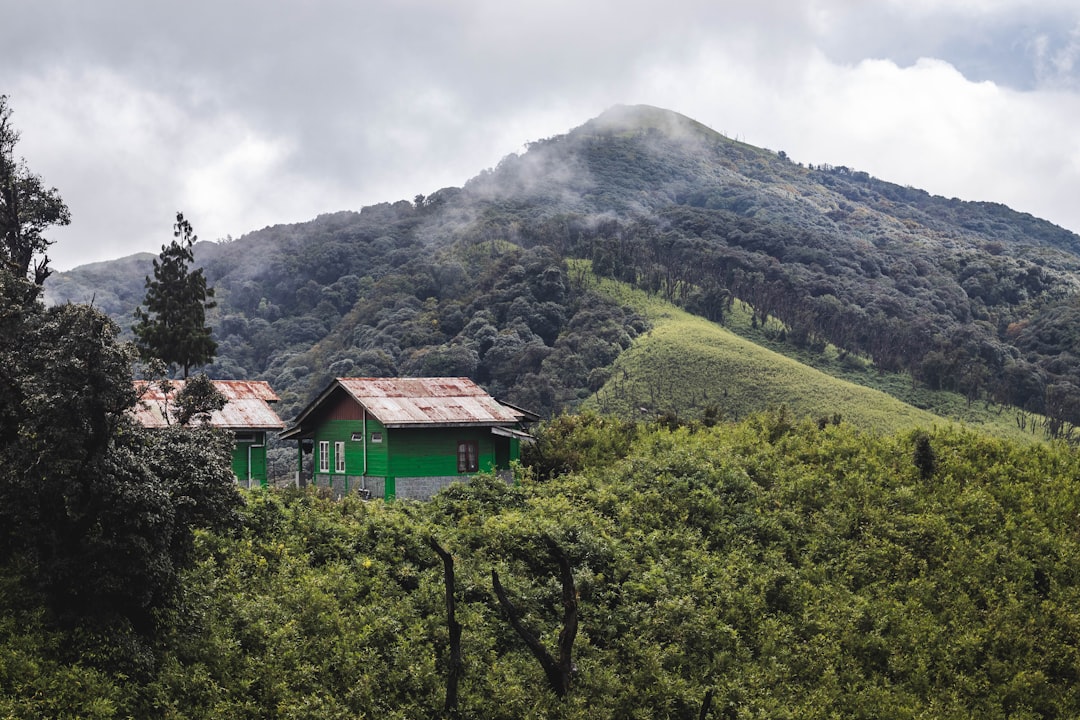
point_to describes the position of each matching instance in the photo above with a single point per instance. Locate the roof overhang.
(511, 433)
(293, 433)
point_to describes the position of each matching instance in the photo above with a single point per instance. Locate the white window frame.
(324, 456)
(339, 457)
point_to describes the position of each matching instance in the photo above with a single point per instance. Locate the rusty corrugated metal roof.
(247, 407)
(428, 401)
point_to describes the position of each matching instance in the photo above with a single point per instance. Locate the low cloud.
(244, 116)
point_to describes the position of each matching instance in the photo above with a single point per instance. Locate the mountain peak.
(637, 118)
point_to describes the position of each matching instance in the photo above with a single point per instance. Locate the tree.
(27, 209)
(559, 672)
(924, 456)
(192, 404)
(198, 399)
(173, 326)
(96, 512)
(455, 665)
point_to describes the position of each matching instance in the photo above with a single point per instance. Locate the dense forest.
(968, 297)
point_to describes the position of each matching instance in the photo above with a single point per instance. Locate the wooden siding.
(430, 452)
(378, 453)
(411, 453)
(240, 456)
(335, 431)
(344, 407)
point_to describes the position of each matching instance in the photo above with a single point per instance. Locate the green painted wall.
(378, 452)
(425, 452)
(336, 431)
(258, 461)
(239, 463)
(433, 452)
(507, 450)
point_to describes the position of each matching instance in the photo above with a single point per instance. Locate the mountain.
(967, 297)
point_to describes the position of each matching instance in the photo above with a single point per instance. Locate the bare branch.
(559, 673)
(456, 668)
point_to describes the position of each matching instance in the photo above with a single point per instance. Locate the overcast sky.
(244, 114)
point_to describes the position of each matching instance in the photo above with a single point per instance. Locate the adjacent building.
(247, 414)
(405, 437)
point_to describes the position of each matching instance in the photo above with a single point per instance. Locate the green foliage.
(924, 456)
(27, 209)
(96, 513)
(173, 327)
(571, 443)
(779, 567)
(791, 570)
(960, 307)
(688, 370)
(198, 399)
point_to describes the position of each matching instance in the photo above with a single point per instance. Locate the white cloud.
(979, 8)
(277, 114)
(129, 158)
(923, 125)
(1058, 65)
(237, 180)
(104, 144)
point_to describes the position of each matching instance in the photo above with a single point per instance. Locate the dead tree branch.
(559, 672)
(456, 667)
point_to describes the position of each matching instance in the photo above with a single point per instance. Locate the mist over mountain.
(964, 296)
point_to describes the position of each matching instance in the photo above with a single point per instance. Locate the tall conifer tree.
(172, 327)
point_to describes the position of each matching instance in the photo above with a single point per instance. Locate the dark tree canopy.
(172, 327)
(198, 399)
(96, 512)
(27, 209)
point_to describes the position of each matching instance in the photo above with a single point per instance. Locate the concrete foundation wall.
(375, 486)
(424, 488)
(407, 488)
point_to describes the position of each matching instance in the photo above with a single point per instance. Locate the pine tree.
(173, 327)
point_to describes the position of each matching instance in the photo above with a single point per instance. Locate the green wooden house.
(247, 414)
(404, 437)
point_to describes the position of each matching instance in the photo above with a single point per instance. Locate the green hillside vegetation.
(690, 369)
(972, 299)
(769, 568)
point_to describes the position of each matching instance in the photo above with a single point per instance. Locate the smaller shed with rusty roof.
(405, 437)
(247, 414)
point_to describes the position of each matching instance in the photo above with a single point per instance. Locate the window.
(339, 457)
(324, 456)
(468, 456)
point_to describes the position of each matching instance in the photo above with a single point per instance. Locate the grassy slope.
(686, 364)
(997, 419)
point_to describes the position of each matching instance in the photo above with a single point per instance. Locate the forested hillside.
(762, 569)
(969, 297)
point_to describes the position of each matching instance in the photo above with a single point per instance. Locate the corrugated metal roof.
(397, 402)
(247, 408)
